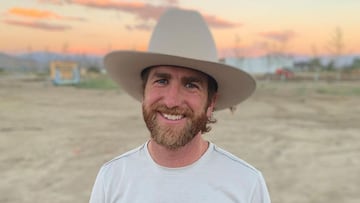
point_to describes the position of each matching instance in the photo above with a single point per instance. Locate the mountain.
(13, 63)
(39, 61)
(339, 62)
(44, 58)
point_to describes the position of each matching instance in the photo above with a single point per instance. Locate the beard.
(173, 136)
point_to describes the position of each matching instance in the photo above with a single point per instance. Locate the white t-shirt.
(217, 176)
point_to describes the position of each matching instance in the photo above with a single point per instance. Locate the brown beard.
(173, 137)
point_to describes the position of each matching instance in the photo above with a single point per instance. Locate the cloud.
(70, 18)
(282, 36)
(144, 11)
(140, 26)
(33, 13)
(56, 2)
(147, 11)
(62, 2)
(40, 14)
(38, 25)
(216, 22)
(172, 2)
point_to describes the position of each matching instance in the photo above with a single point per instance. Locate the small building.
(261, 65)
(64, 72)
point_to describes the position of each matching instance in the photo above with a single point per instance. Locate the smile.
(173, 117)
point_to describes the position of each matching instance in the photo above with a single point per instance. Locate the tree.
(336, 47)
(336, 43)
(239, 57)
(315, 63)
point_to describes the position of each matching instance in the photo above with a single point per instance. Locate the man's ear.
(211, 106)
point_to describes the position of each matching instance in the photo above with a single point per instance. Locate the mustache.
(187, 112)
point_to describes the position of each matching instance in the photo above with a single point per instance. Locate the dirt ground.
(302, 136)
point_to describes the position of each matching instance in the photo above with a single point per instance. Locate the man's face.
(175, 105)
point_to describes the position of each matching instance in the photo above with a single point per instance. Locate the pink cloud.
(282, 36)
(141, 26)
(84, 2)
(216, 22)
(57, 2)
(143, 11)
(70, 18)
(172, 2)
(38, 25)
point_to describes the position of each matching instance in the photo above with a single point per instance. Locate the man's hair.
(212, 90)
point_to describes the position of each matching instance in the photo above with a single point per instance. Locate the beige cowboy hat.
(181, 38)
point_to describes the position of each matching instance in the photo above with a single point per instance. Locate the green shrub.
(340, 91)
(97, 83)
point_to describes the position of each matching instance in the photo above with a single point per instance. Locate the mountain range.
(39, 61)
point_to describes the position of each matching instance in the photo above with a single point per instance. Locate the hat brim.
(124, 67)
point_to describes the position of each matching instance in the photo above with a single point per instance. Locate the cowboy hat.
(180, 38)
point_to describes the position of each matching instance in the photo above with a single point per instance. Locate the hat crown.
(183, 33)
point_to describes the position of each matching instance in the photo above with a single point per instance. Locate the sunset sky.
(242, 27)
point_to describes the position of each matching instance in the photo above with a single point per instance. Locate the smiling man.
(175, 105)
(180, 84)
(176, 111)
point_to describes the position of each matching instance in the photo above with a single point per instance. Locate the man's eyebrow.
(162, 75)
(193, 79)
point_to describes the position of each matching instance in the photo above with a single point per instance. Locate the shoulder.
(123, 159)
(234, 162)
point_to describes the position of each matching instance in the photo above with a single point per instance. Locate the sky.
(239, 27)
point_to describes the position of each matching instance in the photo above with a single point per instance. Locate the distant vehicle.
(284, 72)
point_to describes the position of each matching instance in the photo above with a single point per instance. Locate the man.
(180, 84)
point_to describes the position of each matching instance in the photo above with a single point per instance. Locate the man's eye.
(191, 85)
(162, 81)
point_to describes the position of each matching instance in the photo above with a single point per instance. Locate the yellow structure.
(64, 72)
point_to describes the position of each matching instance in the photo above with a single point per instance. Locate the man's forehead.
(176, 69)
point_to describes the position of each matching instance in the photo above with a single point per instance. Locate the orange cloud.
(40, 14)
(33, 13)
(38, 25)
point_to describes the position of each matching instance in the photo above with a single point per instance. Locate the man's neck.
(180, 157)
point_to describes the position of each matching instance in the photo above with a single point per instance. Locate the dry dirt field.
(303, 136)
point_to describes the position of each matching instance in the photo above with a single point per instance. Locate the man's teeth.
(173, 117)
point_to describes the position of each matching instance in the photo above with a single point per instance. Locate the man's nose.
(173, 96)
